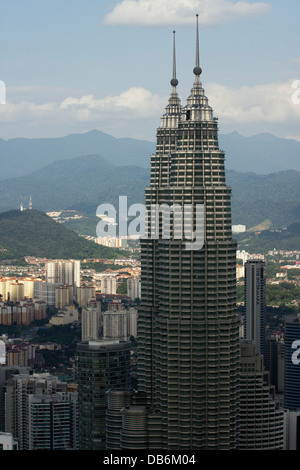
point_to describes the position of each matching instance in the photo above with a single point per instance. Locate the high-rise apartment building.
(90, 324)
(53, 421)
(63, 296)
(84, 294)
(132, 322)
(255, 303)
(41, 413)
(102, 365)
(16, 291)
(65, 272)
(20, 354)
(46, 292)
(134, 287)
(108, 283)
(115, 325)
(274, 361)
(188, 329)
(6, 373)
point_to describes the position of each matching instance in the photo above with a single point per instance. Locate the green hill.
(81, 183)
(261, 242)
(33, 233)
(259, 198)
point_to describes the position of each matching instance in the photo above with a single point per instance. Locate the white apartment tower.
(90, 324)
(115, 325)
(108, 283)
(64, 272)
(134, 287)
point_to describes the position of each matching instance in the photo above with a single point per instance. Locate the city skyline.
(92, 65)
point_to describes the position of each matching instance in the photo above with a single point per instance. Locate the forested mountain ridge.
(85, 182)
(33, 233)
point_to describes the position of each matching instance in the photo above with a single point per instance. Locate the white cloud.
(272, 108)
(136, 112)
(135, 105)
(272, 103)
(136, 100)
(172, 12)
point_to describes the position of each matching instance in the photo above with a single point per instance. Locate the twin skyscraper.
(188, 329)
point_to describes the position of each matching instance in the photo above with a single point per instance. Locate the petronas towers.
(188, 329)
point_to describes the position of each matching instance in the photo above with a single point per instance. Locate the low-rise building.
(7, 441)
(65, 316)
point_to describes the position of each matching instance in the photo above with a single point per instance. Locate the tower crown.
(197, 108)
(173, 109)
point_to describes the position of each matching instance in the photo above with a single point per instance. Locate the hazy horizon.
(107, 65)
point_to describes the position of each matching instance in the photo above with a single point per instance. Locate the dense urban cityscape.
(183, 337)
(99, 298)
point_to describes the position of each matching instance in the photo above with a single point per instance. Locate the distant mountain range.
(85, 182)
(19, 157)
(261, 154)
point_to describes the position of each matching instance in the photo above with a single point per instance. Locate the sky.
(70, 66)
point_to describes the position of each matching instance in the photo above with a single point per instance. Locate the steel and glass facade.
(101, 365)
(255, 303)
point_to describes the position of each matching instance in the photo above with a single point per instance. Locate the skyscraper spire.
(174, 81)
(173, 109)
(197, 69)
